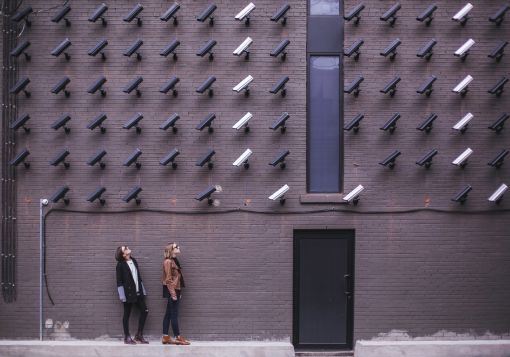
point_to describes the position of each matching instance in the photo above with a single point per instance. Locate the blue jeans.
(171, 315)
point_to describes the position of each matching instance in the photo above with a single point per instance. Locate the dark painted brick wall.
(418, 271)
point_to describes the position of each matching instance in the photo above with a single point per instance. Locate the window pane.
(324, 7)
(324, 124)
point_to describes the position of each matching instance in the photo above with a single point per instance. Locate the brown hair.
(119, 254)
(169, 250)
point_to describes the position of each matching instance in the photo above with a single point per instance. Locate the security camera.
(207, 86)
(60, 158)
(131, 86)
(280, 14)
(62, 15)
(499, 87)
(206, 194)
(498, 125)
(133, 158)
(207, 14)
(60, 194)
(390, 16)
(97, 86)
(243, 48)
(170, 123)
(98, 48)
(98, 14)
(172, 46)
(462, 87)
(61, 123)
(243, 159)
(243, 122)
(354, 123)
(96, 195)
(280, 122)
(389, 161)
(61, 48)
(170, 158)
(497, 162)
(462, 125)
(134, 49)
(20, 123)
(462, 15)
(244, 14)
(391, 124)
(61, 86)
(133, 194)
(353, 196)
(171, 13)
(21, 49)
(426, 125)
(206, 159)
(280, 194)
(354, 49)
(97, 122)
(462, 195)
(23, 15)
(243, 85)
(207, 123)
(427, 15)
(461, 160)
(21, 85)
(134, 14)
(499, 16)
(498, 52)
(20, 158)
(207, 49)
(426, 51)
(133, 122)
(463, 51)
(355, 12)
(391, 87)
(170, 85)
(97, 158)
(427, 159)
(280, 86)
(280, 159)
(353, 87)
(280, 50)
(391, 50)
(497, 196)
(426, 87)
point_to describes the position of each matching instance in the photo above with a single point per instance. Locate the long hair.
(169, 249)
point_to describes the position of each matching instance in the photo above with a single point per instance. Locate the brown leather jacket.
(171, 277)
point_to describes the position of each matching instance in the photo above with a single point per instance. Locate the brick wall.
(423, 264)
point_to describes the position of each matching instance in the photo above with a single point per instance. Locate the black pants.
(171, 315)
(140, 303)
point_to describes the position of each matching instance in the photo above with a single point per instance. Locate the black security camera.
(96, 195)
(133, 122)
(280, 50)
(280, 86)
(98, 86)
(280, 159)
(499, 16)
(23, 15)
(61, 48)
(170, 158)
(62, 15)
(426, 51)
(391, 124)
(497, 162)
(20, 123)
(427, 15)
(206, 159)
(354, 123)
(60, 194)
(354, 49)
(389, 161)
(427, 159)
(98, 14)
(207, 86)
(61, 86)
(133, 159)
(97, 158)
(61, 123)
(20, 158)
(207, 123)
(19, 86)
(390, 16)
(60, 158)
(391, 87)
(134, 14)
(499, 124)
(499, 87)
(426, 87)
(172, 46)
(207, 14)
(98, 48)
(97, 122)
(353, 87)
(355, 12)
(206, 194)
(280, 122)
(207, 49)
(170, 13)
(133, 85)
(21, 49)
(426, 125)
(133, 194)
(170, 123)
(134, 49)
(462, 195)
(281, 14)
(391, 50)
(170, 85)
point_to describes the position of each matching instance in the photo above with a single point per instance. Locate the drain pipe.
(42, 202)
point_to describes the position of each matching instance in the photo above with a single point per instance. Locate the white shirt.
(134, 273)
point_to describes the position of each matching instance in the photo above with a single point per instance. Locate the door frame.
(350, 302)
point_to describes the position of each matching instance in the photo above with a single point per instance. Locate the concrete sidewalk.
(12, 348)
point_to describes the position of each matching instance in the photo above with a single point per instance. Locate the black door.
(323, 288)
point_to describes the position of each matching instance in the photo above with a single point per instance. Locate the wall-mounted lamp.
(389, 161)
(354, 123)
(96, 195)
(427, 159)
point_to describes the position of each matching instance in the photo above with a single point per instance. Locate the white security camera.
(461, 160)
(245, 13)
(279, 194)
(243, 159)
(463, 50)
(461, 16)
(243, 47)
(462, 125)
(497, 196)
(243, 85)
(243, 122)
(353, 196)
(462, 87)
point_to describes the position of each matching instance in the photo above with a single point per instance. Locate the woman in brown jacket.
(173, 283)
